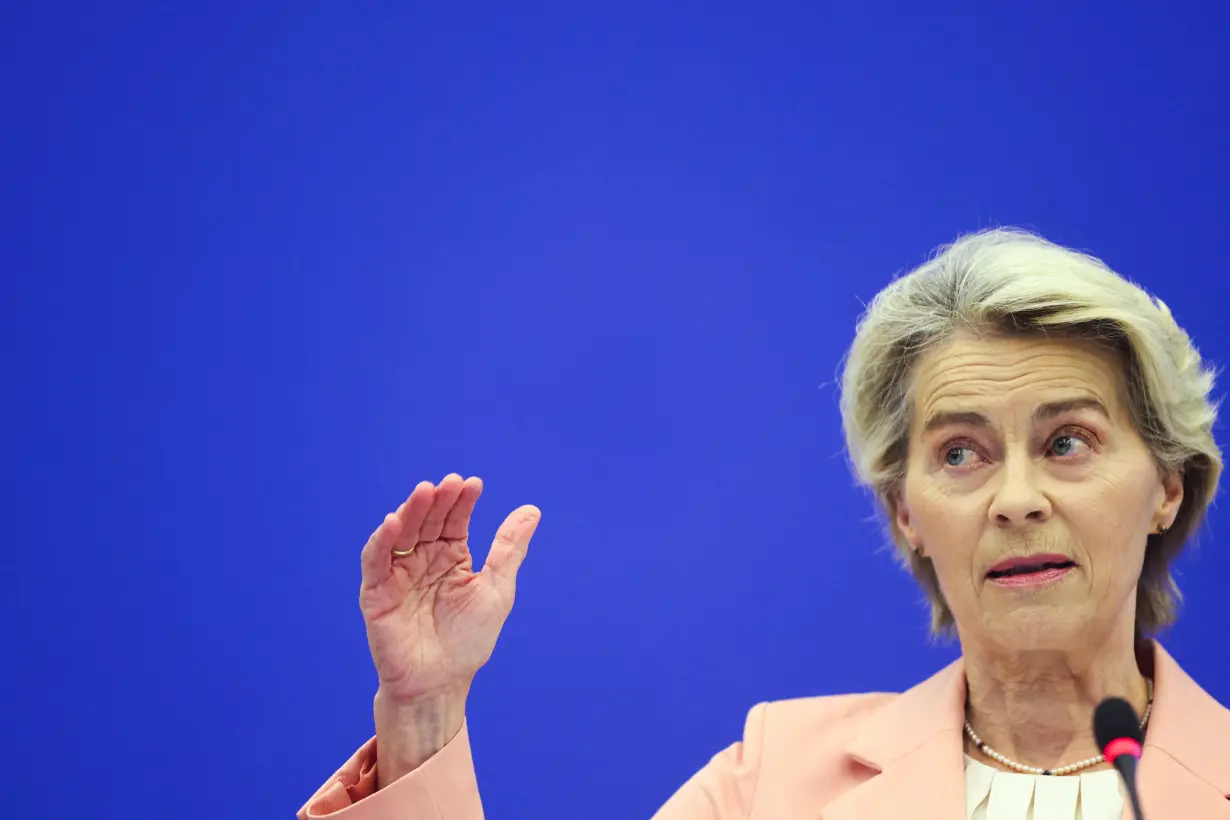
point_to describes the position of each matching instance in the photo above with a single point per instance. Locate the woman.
(1037, 431)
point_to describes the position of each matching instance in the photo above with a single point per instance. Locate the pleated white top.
(991, 794)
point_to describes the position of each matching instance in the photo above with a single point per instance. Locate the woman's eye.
(952, 456)
(1067, 444)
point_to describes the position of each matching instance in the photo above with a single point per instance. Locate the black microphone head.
(1113, 719)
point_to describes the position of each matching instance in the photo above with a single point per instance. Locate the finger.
(413, 514)
(512, 541)
(396, 528)
(447, 493)
(375, 556)
(457, 522)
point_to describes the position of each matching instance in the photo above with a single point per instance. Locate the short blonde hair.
(1011, 281)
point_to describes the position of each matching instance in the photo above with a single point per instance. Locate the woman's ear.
(1172, 499)
(901, 520)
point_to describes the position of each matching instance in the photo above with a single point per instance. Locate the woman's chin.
(1038, 627)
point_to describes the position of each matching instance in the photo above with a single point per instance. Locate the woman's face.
(1029, 489)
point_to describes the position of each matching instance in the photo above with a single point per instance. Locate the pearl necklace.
(1068, 769)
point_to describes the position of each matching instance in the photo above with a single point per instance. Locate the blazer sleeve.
(725, 787)
(443, 788)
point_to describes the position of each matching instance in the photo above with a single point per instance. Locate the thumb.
(508, 550)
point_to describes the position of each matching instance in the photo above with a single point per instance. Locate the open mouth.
(1030, 569)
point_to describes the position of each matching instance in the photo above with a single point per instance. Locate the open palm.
(432, 621)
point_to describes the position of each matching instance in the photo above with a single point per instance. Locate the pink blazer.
(846, 757)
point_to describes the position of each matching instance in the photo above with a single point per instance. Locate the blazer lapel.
(913, 747)
(913, 750)
(1185, 767)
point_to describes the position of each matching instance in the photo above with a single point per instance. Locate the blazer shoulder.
(809, 721)
(795, 749)
(830, 708)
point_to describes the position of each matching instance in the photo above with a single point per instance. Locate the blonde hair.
(1010, 281)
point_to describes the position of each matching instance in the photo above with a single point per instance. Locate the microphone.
(1116, 728)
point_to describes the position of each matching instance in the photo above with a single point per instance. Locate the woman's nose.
(1019, 500)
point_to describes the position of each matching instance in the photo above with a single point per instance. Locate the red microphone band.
(1121, 746)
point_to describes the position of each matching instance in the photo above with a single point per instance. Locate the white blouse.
(991, 794)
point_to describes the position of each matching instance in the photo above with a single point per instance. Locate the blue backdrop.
(270, 264)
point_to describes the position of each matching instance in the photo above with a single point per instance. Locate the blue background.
(267, 265)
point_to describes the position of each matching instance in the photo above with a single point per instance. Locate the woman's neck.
(1036, 708)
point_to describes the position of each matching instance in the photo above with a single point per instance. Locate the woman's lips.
(1034, 577)
(1034, 570)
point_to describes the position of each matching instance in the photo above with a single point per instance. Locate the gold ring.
(404, 553)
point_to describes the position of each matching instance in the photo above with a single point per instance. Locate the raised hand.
(432, 622)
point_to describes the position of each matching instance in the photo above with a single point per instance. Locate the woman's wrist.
(409, 733)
